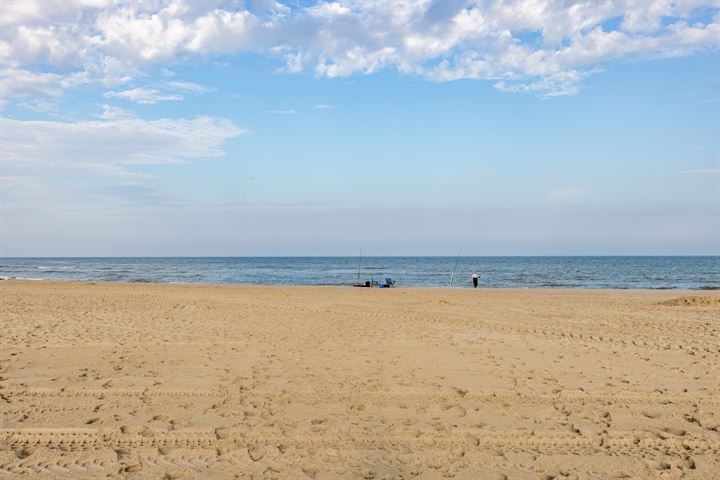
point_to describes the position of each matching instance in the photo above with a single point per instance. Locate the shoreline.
(343, 286)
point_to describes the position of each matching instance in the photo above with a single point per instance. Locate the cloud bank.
(545, 47)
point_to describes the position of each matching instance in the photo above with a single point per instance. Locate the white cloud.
(38, 11)
(19, 83)
(39, 105)
(323, 106)
(61, 149)
(223, 31)
(562, 83)
(543, 47)
(190, 87)
(144, 96)
(111, 112)
(282, 112)
(296, 62)
(706, 170)
(149, 96)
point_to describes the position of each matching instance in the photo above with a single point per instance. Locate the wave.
(34, 279)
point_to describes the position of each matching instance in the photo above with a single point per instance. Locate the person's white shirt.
(475, 275)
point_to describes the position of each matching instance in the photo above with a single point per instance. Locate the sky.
(403, 127)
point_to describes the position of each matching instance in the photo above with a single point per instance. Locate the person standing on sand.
(475, 278)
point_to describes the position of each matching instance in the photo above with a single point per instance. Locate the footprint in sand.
(456, 410)
(256, 452)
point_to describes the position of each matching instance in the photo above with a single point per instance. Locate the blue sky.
(403, 128)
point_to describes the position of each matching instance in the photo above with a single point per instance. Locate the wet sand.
(166, 381)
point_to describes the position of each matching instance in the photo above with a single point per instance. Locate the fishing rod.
(359, 263)
(452, 277)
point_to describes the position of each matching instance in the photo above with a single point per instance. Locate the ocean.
(694, 272)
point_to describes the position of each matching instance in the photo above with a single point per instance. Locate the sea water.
(693, 272)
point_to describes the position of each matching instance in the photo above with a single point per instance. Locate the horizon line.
(364, 256)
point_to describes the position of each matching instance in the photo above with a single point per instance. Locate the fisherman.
(475, 278)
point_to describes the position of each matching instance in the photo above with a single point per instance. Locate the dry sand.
(161, 381)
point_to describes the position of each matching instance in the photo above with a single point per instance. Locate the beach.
(105, 380)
